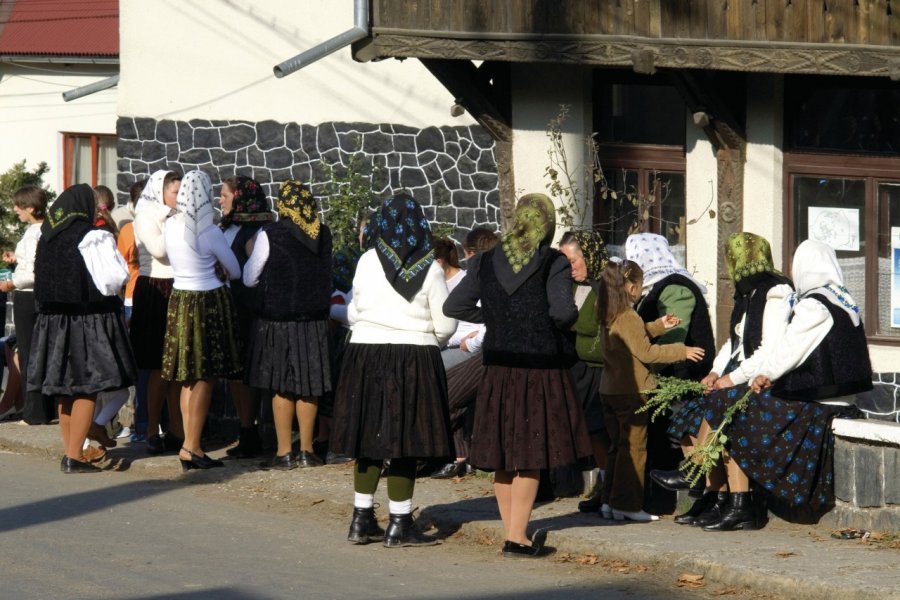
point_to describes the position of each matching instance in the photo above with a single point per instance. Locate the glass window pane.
(82, 170)
(106, 162)
(888, 259)
(640, 114)
(669, 190)
(616, 215)
(833, 211)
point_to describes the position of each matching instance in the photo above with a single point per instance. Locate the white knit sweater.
(379, 315)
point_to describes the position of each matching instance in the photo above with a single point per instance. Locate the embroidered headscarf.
(250, 205)
(344, 265)
(76, 203)
(402, 240)
(652, 253)
(816, 271)
(594, 252)
(749, 259)
(152, 194)
(194, 204)
(299, 212)
(533, 225)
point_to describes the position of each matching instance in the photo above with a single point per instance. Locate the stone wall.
(451, 171)
(882, 403)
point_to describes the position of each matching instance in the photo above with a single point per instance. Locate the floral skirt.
(711, 408)
(200, 341)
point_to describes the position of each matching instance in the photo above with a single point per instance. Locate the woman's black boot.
(700, 506)
(712, 513)
(740, 514)
(364, 526)
(249, 444)
(403, 531)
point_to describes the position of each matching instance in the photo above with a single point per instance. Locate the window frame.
(68, 141)
(871, 169)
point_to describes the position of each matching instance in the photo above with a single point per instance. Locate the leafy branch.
(668, 391)
(566, 185)
(703, 458)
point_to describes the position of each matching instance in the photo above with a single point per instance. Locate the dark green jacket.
(588, 339)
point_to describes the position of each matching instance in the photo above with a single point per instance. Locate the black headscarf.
(402, 239)
(299, 213)
(344, 265)
(250, 207)
(76, 204)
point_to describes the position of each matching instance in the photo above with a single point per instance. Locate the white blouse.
(195, 270)
(474, 343)
(104, 262)
(149, 239)
(809, 325)
(23, 276)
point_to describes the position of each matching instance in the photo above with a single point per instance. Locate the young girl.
(628, 351)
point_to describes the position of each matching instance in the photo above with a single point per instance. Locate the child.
(625, 377)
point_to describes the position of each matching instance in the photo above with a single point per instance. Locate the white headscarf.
(152, 194)
(815, 270)
(652, 254)
(194, 205)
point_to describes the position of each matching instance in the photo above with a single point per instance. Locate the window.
(89, 158)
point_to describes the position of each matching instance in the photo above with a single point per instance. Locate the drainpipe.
(85, 90)
(359, 31)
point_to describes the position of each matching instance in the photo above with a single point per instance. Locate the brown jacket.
(628, 351)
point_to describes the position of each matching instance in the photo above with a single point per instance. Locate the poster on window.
(895, 276)
(837, 227)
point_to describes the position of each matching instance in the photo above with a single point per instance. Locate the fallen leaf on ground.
(587, 559)
(317, 501)
(690, 580)
(785, 553)
(485, 540)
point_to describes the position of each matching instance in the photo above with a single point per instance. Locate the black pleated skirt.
(391, 401)
(80, 355)
(148, 320)
(290, 358)
(527, 419)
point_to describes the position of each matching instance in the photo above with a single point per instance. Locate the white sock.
(363, 500)
(402, 507)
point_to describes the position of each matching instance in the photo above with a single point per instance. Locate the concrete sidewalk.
(791, 561)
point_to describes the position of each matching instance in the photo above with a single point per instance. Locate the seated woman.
(783, 441)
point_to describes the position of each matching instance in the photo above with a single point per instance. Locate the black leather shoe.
(70, 465)
(199, 462)
(285, 462)
(172, 443)
(336, 458)
(535, 550)
(451, 470)
(403, 531)
(592, 504)
(249, 444)
(674, 480)
(739, 514)
(701, 505)
(155, 445)
(308, 459)
(364, 527)
(714, 512)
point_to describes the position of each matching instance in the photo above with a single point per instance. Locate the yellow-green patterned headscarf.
(534, 224)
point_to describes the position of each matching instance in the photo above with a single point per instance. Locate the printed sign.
(837, 227)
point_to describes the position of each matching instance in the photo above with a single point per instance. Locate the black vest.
(753, 324)
(295, 284)
(699, 331)
(62, 283)
(245, 298)
(520, 332)
(839, 366)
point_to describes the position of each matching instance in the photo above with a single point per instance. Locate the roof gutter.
(359, 31)
(91, 88)
(65, 60)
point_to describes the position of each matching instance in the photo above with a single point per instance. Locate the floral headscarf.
(747, 254)
(298, 211)
(534, 224)
(194, 205)
(76, 203)
(594, 252)
(344, 265)
(402, 239)
(652, 254)
(250, 205)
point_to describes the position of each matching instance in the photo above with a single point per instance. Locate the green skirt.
(200, 337)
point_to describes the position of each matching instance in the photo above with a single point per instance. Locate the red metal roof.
(60, 27)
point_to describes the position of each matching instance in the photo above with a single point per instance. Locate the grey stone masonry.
(451, 171)
(883, 402)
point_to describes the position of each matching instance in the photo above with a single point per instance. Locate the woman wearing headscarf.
(783, 442)
(199, 345)
(245, 210)
(289, 355)
(150, 305)
(80, 346)
(587, 256)
(391, 400)
(758, 320)
(527, 415)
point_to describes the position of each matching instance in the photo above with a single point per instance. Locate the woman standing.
(199, 342)
(245, 210)
(80, 341)
(151, 301)
(527, 416)
(30, 205)
(391, 400)
(289, 354)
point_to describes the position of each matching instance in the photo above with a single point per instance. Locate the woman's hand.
(724, 382)
(694, 353)
(710, 380)
(669, 321)
(462, 343)
(6, 286)
(761, 383)
(9, 257)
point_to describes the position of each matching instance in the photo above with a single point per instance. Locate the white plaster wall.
(33, 114)
(213, 59)
(538, 91)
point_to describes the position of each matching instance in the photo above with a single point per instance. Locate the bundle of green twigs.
(704, 457)
(669, 390)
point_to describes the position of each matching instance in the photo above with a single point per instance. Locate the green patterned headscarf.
(594, 252)
(534, 224)
(747, 254)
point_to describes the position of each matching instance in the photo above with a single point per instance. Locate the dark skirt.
(787, 448)
(148, 320)
(80, 355)
(290, 358)
(200, 341)
(587, 387)
(527, 419)
(391, 401)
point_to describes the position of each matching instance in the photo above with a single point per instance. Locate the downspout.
(359, 31)
(91, 88)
